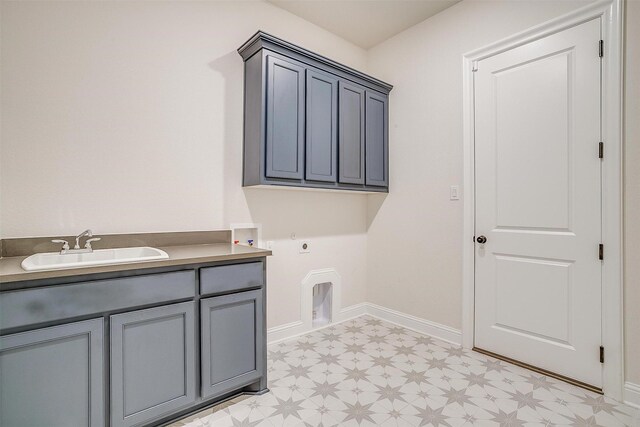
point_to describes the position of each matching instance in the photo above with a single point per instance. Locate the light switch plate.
(454, 193)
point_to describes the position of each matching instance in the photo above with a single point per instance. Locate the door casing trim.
(611, 14)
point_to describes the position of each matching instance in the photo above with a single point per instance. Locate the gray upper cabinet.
(322, 127)
(285, 118)
(306, 122)
(53, 377)
(232, 341)
(377, 139)
(351, 134)
(152, 363)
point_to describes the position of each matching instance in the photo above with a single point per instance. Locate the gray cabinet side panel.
(152, 363)
(53, 377)
(284, 119)
(232, 341)
(322, 127)
(377, 151)
(351, 141)
(254, 99)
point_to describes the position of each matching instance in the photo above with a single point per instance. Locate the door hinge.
(601, 48)
(600, 251)
(601, 354)
(601, 150)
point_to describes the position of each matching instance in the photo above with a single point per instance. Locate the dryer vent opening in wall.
(320, 298)
(322, 304)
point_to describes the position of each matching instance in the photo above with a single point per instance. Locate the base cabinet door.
(152, 363)
(231, 342)
(53, 377)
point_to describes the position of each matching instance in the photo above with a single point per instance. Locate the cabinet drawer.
(228, 278)
(47, 304)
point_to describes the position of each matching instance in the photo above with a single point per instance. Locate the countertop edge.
(22, 275)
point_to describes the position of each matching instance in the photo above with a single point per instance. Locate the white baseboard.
(436, 330)
(352, 311)
(285, 332)
(427, 327)
(632, 394)
(295, 329)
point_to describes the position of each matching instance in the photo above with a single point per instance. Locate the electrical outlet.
(269, 244)
(305, 247)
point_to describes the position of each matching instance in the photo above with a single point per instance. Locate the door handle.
(481, 239)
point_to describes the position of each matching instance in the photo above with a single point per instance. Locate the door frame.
(611, 14)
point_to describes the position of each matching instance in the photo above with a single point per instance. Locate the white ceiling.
(364, 22)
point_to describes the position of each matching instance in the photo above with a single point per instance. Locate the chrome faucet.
(87, 233)
(76, 249)
(65, 245)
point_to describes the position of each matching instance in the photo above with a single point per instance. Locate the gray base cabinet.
(232, 341)
(53, 377)
(158, 346)
(152, 363)
(312, 122)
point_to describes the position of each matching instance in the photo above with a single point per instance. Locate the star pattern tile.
(366, 372)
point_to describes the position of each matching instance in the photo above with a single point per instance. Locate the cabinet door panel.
(152, 363)
(53, 376)
(376, 140)
(322, 127)
(231, 341)
(351, 142)
(285, 119)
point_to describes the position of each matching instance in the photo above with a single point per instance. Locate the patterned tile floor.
(365, 372)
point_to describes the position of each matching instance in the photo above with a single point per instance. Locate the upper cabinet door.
(285, 119)
(377, 139)
(322, 127)
(351, 144)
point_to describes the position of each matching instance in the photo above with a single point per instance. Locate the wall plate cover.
(454, 192)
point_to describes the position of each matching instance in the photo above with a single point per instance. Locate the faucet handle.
(87, 244)
(65, 244)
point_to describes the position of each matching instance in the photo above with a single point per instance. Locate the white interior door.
(538, 203)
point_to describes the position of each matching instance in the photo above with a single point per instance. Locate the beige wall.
(632, 192)
(414, 236)
(127, 116)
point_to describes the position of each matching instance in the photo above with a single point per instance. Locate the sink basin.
(56, 261)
